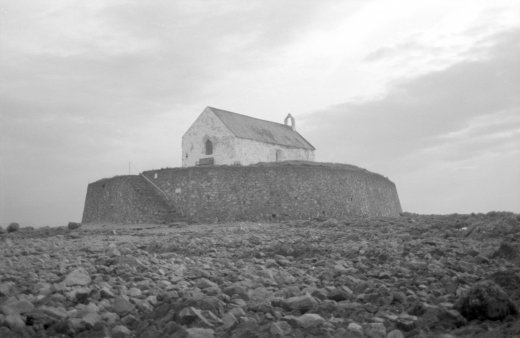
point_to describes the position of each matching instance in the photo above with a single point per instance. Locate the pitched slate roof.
(251, 128)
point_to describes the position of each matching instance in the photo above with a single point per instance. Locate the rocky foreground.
(412, 276)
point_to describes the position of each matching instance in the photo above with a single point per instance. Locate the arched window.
(278, 155)
(209, 147)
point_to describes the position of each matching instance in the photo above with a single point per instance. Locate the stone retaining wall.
(269, 191)
(118, 200)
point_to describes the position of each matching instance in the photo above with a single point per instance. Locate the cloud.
(86, 87)
(127, 57)
(454, 117)
(465, 34)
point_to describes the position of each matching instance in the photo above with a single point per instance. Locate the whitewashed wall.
(207, 126)
(227, 149)
(249, 152)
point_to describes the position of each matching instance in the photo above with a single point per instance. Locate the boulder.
(122, 306)
(6, 288)
(375, 330)
(199, 332)
(73, 225)
(12, 227)
(15, 322)
(509, 281)
(280, 329)
(121, 331)
(486, 300)
(78, 276)
(395, 334)
(355, 330)
(307, 320)
(507, 251)
(14, 306)
(57, 313)
(331, 222)
(300, 303)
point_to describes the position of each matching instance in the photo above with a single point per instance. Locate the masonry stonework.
(126, 199)
(267, 191)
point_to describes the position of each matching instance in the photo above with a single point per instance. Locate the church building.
(221, 137)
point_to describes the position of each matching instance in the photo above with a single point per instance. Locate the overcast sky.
(426, 93)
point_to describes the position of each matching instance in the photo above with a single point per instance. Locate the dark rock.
(236, 289)
(191, 315)
(121, 331)
(202, 302)
(417, 309)
(331, 222)
(198, 332)
(95, 332)
(16, 307)
(81, 295)
(300, 303)
(5, 332)
(6, 288)
(12, 227)
(435, 318)
(306, 321)
(506, 251)
(54, 312)
(63, 328)
(130, 321)
(91, 319)
(229, 321)
(406, 324)
(486, 300)
(509, 281)
(280, 329)
(247, 329)
(122, 306)
(15, 322)
(204, 283)
(398, 297)
(375, 330)
(340, 293)
(395, 334)
(320, 294)
(73, 225)
(354, 330)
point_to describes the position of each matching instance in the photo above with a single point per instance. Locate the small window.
(209, 147)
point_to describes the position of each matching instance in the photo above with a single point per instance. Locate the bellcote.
(292, 121)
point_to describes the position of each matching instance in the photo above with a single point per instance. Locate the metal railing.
(155, 186)
(140, 173)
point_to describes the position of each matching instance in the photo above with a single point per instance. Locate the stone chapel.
(221, 137)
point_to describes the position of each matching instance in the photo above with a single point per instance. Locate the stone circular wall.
(274, 191)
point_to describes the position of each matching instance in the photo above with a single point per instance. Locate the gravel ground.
(412, 276)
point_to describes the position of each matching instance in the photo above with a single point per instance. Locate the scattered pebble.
(380, 277)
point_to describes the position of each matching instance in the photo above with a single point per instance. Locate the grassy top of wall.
(282, 164)
(113, 179)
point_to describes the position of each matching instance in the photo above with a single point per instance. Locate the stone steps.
(166, 211)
